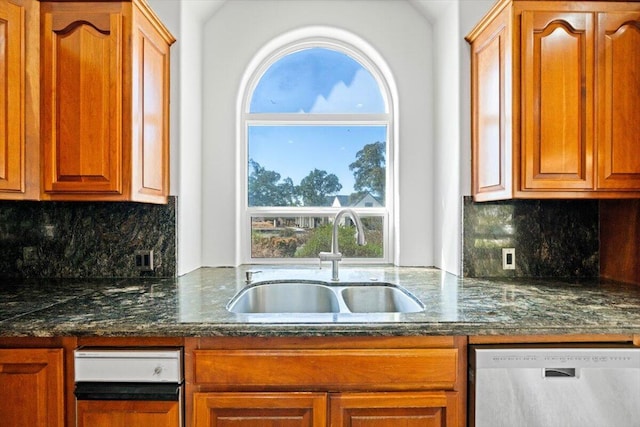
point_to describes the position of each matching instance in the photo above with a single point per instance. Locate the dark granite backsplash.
(552, 238)
(85, 239)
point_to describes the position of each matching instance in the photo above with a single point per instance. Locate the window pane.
(317, 80)
(307, 236)
(315, 166)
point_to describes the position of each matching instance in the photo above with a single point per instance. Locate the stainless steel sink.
(285, 297)
(293, 297)
(380, 299)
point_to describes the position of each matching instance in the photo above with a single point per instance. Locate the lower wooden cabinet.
(260, 409)
(108, 413)
(290, 409)
(326, 382)
(409, 409)
(32, 384)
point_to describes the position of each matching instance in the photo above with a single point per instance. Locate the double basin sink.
(306, 296)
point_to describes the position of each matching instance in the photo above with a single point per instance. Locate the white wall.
(185, 20)
(237, 31)
(452, 126)
(216, 40)
(447, 176)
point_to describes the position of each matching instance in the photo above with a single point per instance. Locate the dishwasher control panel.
(128, 365)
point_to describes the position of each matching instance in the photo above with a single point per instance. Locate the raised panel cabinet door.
(491, 111)
(12, 97)
(32, 384)
(150, 92)
(82, 98)
(415, 409)
(557, 61)
(618, 47)
(98, 413)
(260, 409)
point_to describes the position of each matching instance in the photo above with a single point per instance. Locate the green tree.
(266, 188)
(369, 170)
(320, 240)
(315, 187)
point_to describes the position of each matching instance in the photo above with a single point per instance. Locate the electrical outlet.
(508, 258)
(144, 260)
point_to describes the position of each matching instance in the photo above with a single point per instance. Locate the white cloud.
(362, 96)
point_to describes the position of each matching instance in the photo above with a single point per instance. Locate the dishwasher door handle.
(559, 372)
(127, 391)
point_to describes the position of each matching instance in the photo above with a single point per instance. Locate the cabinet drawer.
(327, 369)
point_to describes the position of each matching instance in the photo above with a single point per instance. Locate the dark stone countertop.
(195, 305)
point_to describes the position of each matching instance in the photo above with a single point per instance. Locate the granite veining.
(85, 239)
(195, 305)
(553, 238)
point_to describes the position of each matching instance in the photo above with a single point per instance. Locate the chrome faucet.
(335, 256)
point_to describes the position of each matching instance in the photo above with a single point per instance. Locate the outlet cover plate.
(508, 258)
(144, 260)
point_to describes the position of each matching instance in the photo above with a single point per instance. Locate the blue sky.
(294, 151)
(328, 80)
(315, 80)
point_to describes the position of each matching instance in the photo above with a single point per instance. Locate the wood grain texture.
(36, 380)
(557, 90)
(105, 103)
(425, 409)
(574, 102)
(260, 410)
(618, 44)
(620, 240)
(377, 369)
(104, 413)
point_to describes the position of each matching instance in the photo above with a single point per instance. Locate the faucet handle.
(249, 275)
(329, 256)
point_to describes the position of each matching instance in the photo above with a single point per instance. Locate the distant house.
(366, 201)
(340, 201)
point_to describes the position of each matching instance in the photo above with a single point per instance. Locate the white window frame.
(247, 119)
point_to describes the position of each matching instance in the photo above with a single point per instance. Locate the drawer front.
(327, 369)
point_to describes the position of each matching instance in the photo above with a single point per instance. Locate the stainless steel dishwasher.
(554, 387)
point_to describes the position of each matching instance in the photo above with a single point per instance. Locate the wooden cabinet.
(105, 102)
(420, 409)
(32, 384)
(263, 409)
(554, 100)
(19, 98)
(108, 413)
(618, 106)
(290, 409)
(325, 382)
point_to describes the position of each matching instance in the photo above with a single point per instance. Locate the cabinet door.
(491, 115)
(557, 90)
(425, 409)
(260, 409)
(618, 47)
(150, 96)
(98, 413)
(12, 108)
(82, 97)
(32, 384)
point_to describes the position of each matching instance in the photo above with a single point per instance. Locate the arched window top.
(317, 80)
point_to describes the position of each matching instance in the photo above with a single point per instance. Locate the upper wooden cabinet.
(555, 105)
(105, 102)
(19, 97)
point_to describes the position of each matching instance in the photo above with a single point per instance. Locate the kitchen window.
(317, 137)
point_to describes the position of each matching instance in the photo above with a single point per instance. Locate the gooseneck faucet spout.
(335, 256)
